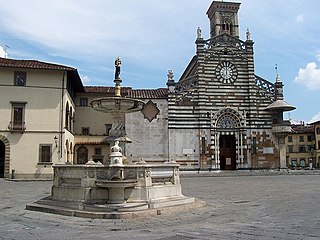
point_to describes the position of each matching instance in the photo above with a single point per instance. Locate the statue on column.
(117, 64)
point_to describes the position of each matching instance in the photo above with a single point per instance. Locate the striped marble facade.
(206, 104)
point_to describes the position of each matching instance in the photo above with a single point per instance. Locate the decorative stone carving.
(225, 39)
(116, 157)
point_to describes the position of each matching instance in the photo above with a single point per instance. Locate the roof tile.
(129, 92)
(34, 64)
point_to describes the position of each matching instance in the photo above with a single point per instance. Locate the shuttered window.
(44, 153)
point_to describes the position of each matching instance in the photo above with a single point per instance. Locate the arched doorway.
(227, 139)
(227, 144)
(2, 158)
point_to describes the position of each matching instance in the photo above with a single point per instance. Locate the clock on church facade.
(226, 72)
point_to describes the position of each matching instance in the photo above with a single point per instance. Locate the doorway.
(2, 158)
(227, 145)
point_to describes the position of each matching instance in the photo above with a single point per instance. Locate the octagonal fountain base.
(129, 191)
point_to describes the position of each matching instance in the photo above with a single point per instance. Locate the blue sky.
(153, 36)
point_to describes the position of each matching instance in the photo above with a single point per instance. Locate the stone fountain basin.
(117, 104)
(98, 191)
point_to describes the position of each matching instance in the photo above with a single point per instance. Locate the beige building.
(301, 146)
(317, 143)
(37, 112)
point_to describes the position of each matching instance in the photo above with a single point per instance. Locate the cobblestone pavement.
(238, 207)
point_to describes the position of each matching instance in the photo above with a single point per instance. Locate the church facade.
(218, 115)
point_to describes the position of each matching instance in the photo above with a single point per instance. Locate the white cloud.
(315, 118)
(309, 76)
(300, 18)
(2, 52)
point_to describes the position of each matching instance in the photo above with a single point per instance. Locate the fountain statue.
(117, 189)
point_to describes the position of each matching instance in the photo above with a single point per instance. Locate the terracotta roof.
(302, 128)
(91, 143)
(72, 73)
(102, 89)
(149, 93)
(129, 92)
(34, 64)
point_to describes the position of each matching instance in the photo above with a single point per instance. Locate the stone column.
(283, 152)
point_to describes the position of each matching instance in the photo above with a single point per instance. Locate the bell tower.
(224, 18)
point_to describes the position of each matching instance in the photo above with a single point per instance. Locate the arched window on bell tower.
(226, 27)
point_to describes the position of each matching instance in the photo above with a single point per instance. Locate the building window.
(98, 151)
(85, 131)
(67, 116)
(318, 130)
(254, 145)
(70, 119)
(301, 138)
(302, 148)
(17, 117)
(318, 144)
(108, 128)
(289, 138)
(310, 148)
(310, 138)
(97, 154)
(290, 148)
(203, 145)
(45, 153)
(20, 78)
(83, 102)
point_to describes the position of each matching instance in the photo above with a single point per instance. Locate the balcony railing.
(17, 126)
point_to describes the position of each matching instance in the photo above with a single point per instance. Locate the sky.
(152, 37)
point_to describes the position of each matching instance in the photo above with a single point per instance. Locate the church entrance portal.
(227, 145)
(2, 158)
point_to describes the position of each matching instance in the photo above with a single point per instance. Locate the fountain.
(118, 189)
